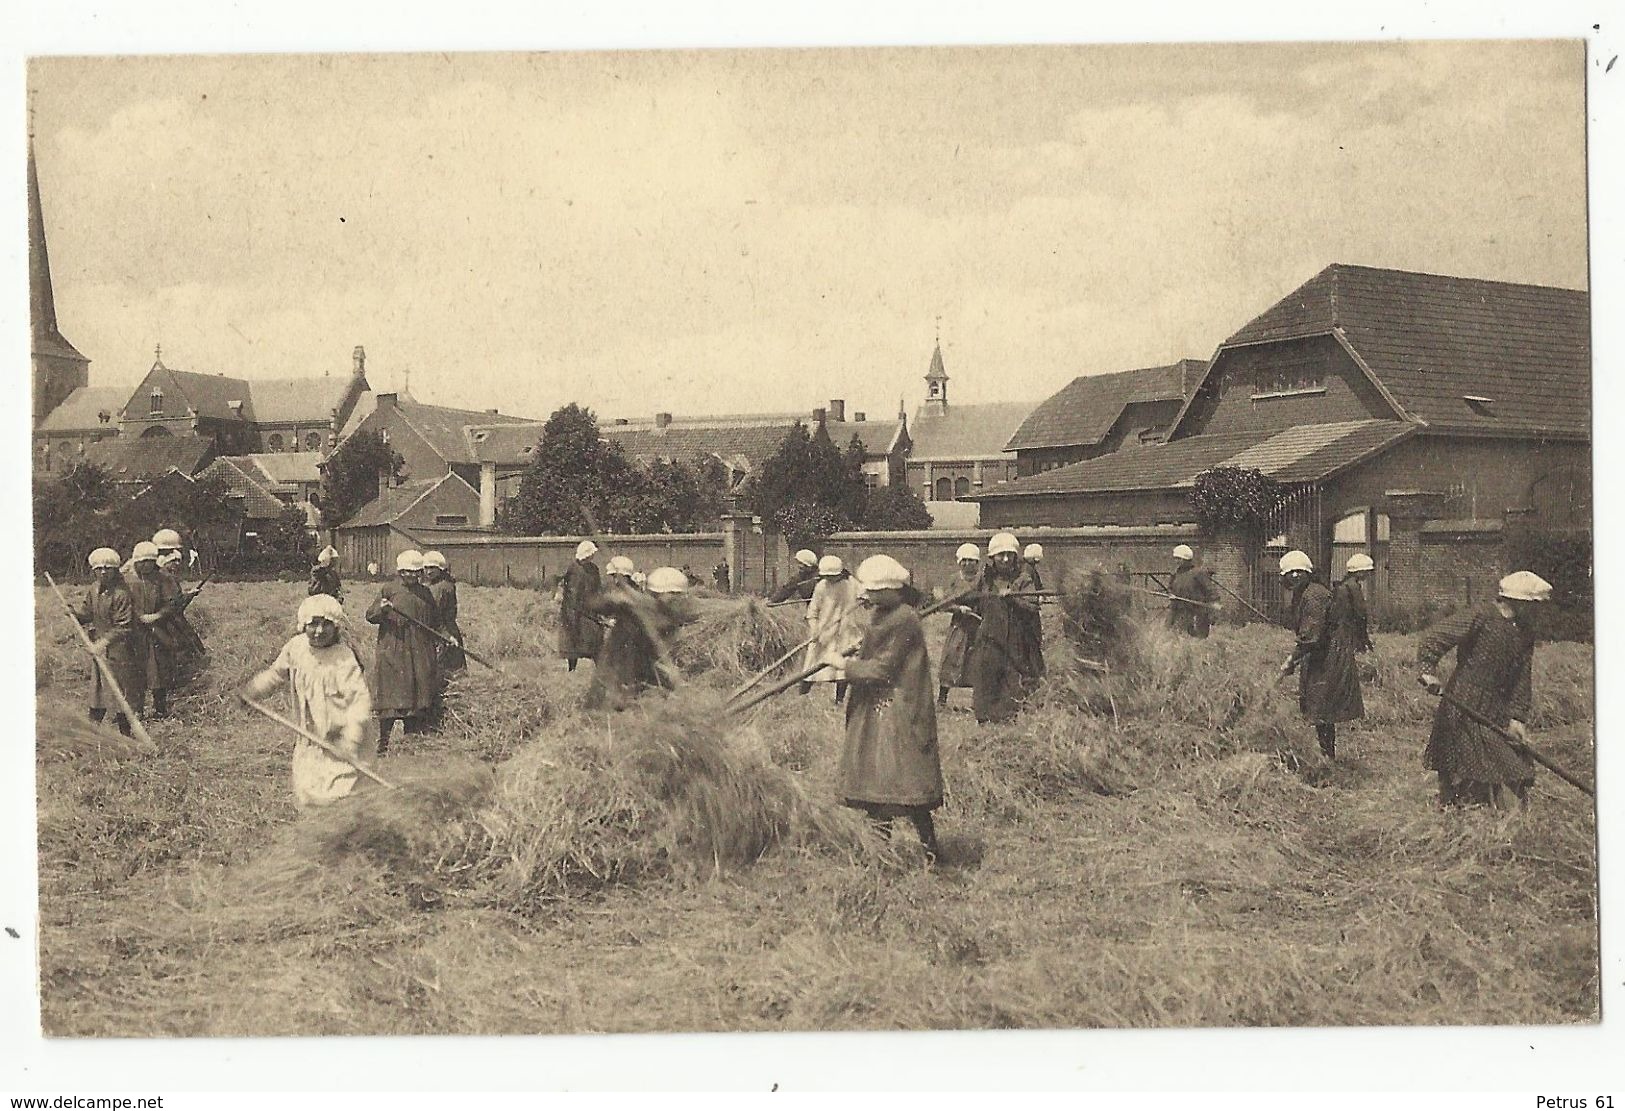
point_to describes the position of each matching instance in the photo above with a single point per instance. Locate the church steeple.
(936, 383)
(59, 368)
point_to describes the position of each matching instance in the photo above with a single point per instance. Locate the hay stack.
(65, 733)
(731, 639)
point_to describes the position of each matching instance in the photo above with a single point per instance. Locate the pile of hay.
(63, 731)
(667, 790)
(1097, 619)
(732, 639)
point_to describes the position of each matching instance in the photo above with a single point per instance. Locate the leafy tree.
(895, 508)
(350, 475)
(809, 487)
(575, 471)
(1235, 497)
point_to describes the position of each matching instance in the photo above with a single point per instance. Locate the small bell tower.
(936, 381)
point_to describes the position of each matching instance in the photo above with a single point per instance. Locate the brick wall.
(1129, 508)
(537, 560)
(1461, 563)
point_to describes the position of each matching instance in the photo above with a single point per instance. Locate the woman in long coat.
(327, 695)
(1495, 649)
(1008, 658)
(1327, 640)
(149, 594)
(830, 618)
(890, 766)
(636, 644)
(108, 613)
(580, 634)
(955, 670)
(406, 674)
(324, 577)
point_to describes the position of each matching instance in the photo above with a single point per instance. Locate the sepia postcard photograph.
(1041, 537)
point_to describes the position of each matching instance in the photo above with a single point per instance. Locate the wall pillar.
(1408, 511)
(1228, 555)
(488, 495)
(737, 536)
(1518, 526)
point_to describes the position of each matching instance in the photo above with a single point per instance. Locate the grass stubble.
(1158, 844)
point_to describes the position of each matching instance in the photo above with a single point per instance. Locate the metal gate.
(1294, 523)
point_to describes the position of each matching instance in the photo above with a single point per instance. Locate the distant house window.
(313, 441)
(945, 490)
(961, 488)
(275, 441)
(451, 518)
(872, 481)
(157, 400)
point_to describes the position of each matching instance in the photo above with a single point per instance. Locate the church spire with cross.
(936, 378)
(59, 368)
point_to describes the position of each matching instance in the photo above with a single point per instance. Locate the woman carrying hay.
(109, 614)
(1327, 641)
(1495, 650)
(406, 672)
(890, 767)
(830, 617)
(327, 695)
(1008, 658)
(580, 634)
(324, 576)
(636, 646)
(955, 670)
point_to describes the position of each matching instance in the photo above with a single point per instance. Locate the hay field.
(1157, 849)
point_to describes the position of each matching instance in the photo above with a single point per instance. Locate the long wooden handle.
(332, 751)
(1517, 745)
(1176, 597)
(106, 668)
(1243, 601)
(777, 688)
(770, 668)
(443, 638)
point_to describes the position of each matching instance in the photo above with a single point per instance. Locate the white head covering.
(1034, 552)
(166, 538)
(667, 580)
(1004, 542)
(166, 559)
(1184, 552)
(830, 566)
(103, 557)
(144, 550)
(1359, 561)
(409, 560)
(882, 572)
(619, 565)
(1296, 561)
(1526, 586)
(434, 559)
(806, 558)
(327, 555)
(968, 551)
(320, 605)
(639, 578)
(586, 549)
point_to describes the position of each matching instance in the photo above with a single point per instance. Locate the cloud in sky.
(719, 231)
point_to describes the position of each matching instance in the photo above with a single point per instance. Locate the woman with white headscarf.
(327, 695)
(580, 633)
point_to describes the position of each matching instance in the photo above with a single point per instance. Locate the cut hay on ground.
(732, 639)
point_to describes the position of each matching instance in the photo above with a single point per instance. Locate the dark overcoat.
(955, 668)
(580, 634)
(1328, 681)
(108, 611)
(406, 674)
(890, 756)
(636, 642)
(1191, 609)
(1008, 656)
(1493, 676)
(802, 586)
(325, 580)
(149, 594)
(444, 592)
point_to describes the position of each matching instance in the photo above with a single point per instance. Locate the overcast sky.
(724, 232)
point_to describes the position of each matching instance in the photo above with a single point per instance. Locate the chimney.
(837, 410)
(385, 401)
(818, 416)
(662, 420)
(358, 359)
(860, 416)
(492, 412)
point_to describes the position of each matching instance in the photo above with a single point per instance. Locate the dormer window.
(157, 401)
(1478, 403)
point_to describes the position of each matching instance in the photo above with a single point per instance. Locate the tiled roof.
(391, 503)
(753, 443)
(144, 458)
(1141, 467)
(287, 468)
(243, 480)
(876, 436)
(1311, 452)
(81, 410)
(1085, 409)
(1432, 341)
(509, 444)
(211, 394)
(285, 400)
(1307, 453)
(444, 428)
(966, 431)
